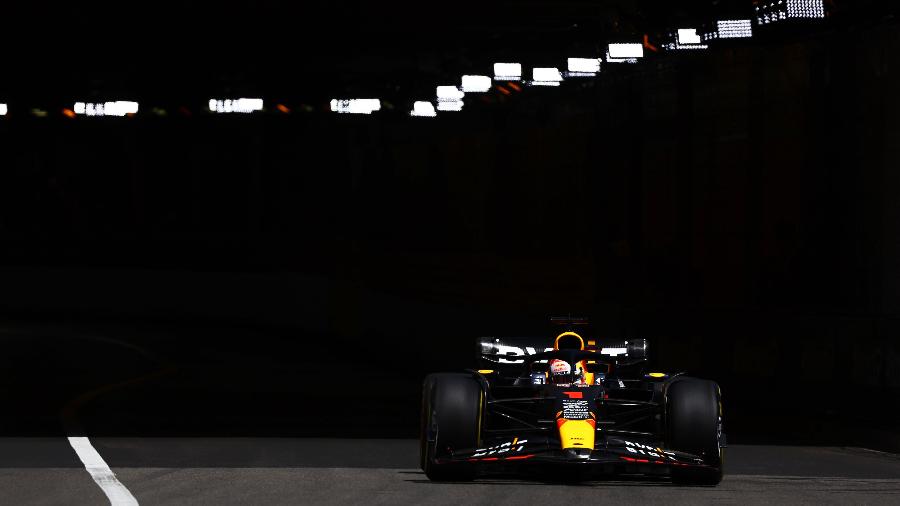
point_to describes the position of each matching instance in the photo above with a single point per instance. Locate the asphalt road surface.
(93, 415)
(222, 471)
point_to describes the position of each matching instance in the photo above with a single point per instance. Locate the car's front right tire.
(450, 421)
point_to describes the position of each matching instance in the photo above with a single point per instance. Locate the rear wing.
(506, 352)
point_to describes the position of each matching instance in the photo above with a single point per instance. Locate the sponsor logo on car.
(575, 409)
(649, 451)
(513, 446)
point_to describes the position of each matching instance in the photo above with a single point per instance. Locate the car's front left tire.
(694, 425)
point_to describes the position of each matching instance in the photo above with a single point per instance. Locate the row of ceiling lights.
(449, 98)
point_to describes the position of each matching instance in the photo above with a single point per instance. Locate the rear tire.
(693, 419)
(451, 420)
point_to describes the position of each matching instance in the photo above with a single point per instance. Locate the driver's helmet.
(560, 372)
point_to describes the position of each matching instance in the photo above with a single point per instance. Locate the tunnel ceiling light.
(476, 84)
(449, 93)
(624, 53)
(113, 108)
(508, 71)
(355, 105)
(423, 109)
(3, 109)
(810, 9)
(734, 29)
(545, 76)
(449, 98)
(685, 38)
(781, 10)
(583, 67)
(450, 105)
(239, 105)
(688, 36)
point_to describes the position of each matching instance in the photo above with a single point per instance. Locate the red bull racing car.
(575, 408)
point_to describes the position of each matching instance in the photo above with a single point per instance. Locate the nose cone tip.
(578, 453)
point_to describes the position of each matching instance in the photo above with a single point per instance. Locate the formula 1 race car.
(575, 410)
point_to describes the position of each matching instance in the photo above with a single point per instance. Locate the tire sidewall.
(694, 425)
(457, 400)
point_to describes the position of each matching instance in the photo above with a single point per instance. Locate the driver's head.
(560, 372)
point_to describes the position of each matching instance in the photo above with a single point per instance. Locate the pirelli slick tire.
(693, 424)
(451, 420)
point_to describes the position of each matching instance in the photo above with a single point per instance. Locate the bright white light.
(688, 36)
(3, 109)
(449, 93)
(584, 65)
(545, 76)
(120, 108)
(356, 105)
(789, 9)
(806, 9)
(423, 109)
(476, 84)
(116, 108)
(508, 71)
(450, 105)
(449, 98)
(677, 46)
(625, 51)
(734, 29)
(240, 105)
(674, 46)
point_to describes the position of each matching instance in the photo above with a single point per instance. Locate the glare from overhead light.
(545, 76)
(113, 108)
(812, 9)
(120, 108)
(508, 71)
(239, 105)
(735, 29)
(449, 98)
(423, 109)
(3, 109)
(772, 12)
(476, 84)
(610, 59)
(688, 36)
(626, 51)
(449, 93)
(584, 65)
(356, 105)
(450, 105)
(674, 46)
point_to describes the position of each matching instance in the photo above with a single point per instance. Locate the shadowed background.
(206, 274)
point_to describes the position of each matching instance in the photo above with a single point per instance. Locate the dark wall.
(737, 208)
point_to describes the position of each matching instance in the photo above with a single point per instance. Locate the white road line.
(117, 494)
